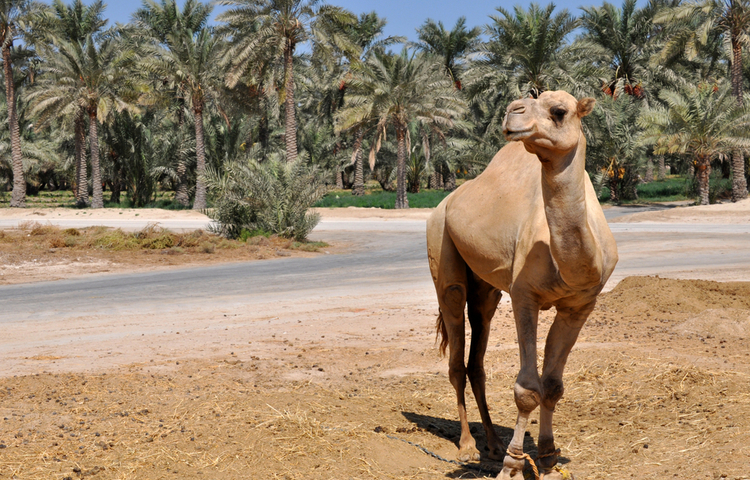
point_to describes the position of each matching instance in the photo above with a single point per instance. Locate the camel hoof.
(468, 454)
(556, 473)
(510, 474)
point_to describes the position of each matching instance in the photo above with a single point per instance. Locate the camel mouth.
(518, 135)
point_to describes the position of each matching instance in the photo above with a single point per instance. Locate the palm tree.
(703, 121)
(281, 26)
(74, 23)
(451, 46)
(160, 20)
(15, 16)
(730, 18)
(621, 42)
(189, 64)
(528, 46)
(396, 90)
(365, 35)
(164, 24)
(89, 76)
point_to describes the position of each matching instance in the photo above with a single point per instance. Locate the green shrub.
(274, 197)
(246, 234)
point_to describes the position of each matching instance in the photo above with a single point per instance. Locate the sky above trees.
(404, 16)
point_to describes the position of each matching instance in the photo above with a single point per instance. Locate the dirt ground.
(33, 251)
(657, 387)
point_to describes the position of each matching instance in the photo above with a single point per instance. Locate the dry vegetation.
(658, 387)
(34, 251)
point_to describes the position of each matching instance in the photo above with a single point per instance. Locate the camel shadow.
(451, 430)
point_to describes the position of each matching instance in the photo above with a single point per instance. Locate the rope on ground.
(442, 459)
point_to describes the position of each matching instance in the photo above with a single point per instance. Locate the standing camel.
(529, 225)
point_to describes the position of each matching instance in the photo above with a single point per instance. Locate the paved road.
(383, 253)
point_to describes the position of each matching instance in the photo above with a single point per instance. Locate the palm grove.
(258, 112)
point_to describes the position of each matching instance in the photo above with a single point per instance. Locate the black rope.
(442, 459)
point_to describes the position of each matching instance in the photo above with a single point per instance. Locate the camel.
(529, 225)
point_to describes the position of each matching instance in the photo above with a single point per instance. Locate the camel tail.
(441, 333)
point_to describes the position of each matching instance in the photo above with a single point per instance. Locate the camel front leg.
(560, 340)
(527, 390)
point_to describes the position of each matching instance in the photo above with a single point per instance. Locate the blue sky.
(403, 16)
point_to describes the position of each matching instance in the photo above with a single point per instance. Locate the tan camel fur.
(529, 225)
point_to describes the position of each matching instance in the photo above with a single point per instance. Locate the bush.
(273, 197)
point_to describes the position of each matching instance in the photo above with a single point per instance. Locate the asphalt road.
(382, 254)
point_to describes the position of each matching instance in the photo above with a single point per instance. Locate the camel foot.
(550, 475)
(556, 473)
(510, 474)
(468, 454)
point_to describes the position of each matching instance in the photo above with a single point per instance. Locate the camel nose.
(517, 109)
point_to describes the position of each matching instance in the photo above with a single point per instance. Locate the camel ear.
(585, 106)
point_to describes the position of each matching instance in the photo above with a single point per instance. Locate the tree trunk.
(82, 184)
(436, 179)
(662, 175)
(359, 178)
(200, 153)
(290, 120)
(97, 198)
(649, 171)
(340, 179)
(182, 196)
(449, 179)
(739, 183)
(402, 201)
(613, 193)
(703, 172)
(18, 197)
(116, 188)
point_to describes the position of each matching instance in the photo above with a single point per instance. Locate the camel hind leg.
(451, 285)
(482, 300)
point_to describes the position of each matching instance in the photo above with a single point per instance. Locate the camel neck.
(574, 247)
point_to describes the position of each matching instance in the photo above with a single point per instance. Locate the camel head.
(549, 125)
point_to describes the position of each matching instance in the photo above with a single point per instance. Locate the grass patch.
(247, 234)
(308, 246)
(153, 238)
(381, 199)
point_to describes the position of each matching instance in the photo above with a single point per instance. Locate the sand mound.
(639, 295)
(717, 322)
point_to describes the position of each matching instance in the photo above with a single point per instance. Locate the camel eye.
(558, 113)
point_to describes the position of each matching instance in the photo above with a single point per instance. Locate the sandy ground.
(351, 386)
(730, 213)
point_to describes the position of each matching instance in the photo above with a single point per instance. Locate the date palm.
(528, 44)
(89, 76)
(160, 20)
(73, 23)
(366, 35)
(15, 16)
(281, 26)
(702, 121)
(621, 41)
(395, 90)
(731, 19)
(162, 24)
(189, 64)
(451, 46)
